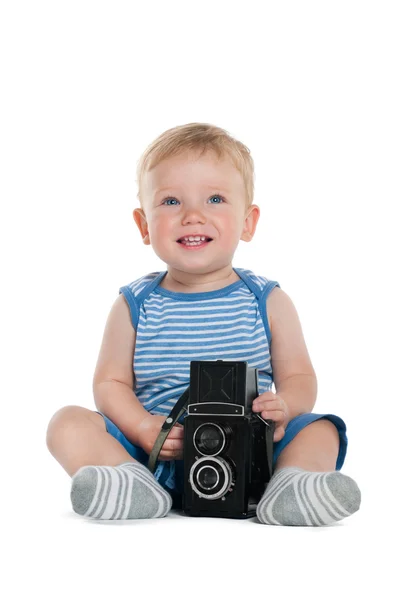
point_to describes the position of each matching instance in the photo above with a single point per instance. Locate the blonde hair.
(198, 136)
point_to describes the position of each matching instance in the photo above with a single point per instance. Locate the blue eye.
(165, 201)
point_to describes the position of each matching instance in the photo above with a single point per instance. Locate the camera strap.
(177, 411)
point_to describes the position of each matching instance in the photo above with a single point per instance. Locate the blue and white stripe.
(172, 329)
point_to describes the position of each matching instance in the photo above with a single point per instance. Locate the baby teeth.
(193, 240)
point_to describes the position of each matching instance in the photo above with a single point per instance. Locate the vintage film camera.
(228, 449)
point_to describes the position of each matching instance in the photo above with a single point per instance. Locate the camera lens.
(209, 439)
(207, 477)
(211, 477)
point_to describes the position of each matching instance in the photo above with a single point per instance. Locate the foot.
(298, 497)
(129, 491)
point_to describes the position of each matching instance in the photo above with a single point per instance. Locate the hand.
(273, 407)
(148, 431)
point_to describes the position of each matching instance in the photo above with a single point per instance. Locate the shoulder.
(260, 285)
(280, 308)
(135, 291)
(259, 280)
(270, 296)
(135, 287)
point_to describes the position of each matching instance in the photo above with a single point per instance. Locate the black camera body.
(228, 449)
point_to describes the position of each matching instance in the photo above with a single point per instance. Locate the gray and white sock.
(128, 491)
(298, 497)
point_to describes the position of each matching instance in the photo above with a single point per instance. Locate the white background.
(311, 89)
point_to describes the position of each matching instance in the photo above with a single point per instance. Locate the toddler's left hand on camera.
(273, 407)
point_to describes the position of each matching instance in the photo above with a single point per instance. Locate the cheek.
(232, 228)
(162, 229)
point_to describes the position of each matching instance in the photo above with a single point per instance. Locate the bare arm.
(299, 393)
(119, 403)
(294, 376)
(113, 377)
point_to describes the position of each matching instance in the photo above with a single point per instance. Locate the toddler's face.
(187, 195)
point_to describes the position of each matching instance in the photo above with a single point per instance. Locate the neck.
(181, 281)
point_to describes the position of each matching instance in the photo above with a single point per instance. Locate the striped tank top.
(174, 328)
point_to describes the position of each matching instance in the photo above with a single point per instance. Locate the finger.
(170, 455)
(173, 445)
(176, 433)
(163, 456)
(279, 433)
(266, 405)
(274, 415)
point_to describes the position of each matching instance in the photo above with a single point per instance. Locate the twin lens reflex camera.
(228, 449)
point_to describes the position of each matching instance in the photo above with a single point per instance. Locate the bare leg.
(305, 488)
(315, 448)
(77, 437)
(107, 483)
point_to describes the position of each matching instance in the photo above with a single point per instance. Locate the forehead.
(191, 170)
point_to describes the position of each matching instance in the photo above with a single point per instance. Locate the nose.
(193, 215)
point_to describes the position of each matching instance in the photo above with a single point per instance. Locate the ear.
(251, 220)
(140, 219)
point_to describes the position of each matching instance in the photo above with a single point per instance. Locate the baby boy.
(195, 188)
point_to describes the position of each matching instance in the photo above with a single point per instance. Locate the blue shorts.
(170, 473)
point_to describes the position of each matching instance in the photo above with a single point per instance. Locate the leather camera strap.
(177, 411)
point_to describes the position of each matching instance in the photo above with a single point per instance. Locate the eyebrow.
(225, 190)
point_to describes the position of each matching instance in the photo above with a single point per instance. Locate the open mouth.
(194, 244)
